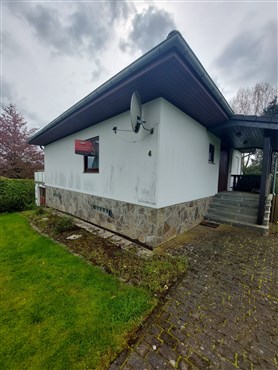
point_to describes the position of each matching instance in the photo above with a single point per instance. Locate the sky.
(53, 53)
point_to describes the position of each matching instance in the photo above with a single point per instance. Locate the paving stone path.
(222, 314)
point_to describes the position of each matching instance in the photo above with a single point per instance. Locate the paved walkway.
(222, 315)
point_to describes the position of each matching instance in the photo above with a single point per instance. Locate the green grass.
(58, 312)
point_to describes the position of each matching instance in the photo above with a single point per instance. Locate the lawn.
(57, 311)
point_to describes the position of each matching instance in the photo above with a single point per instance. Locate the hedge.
(16, 194)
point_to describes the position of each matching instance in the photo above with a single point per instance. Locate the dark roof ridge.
(264, 118)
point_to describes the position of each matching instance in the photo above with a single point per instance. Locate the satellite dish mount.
(135, 115)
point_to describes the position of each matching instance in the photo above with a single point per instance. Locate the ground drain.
(209, 224)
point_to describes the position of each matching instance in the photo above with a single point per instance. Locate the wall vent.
(106, 211)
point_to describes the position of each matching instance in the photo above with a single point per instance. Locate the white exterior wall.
(126, 170)
(235, 162)
(177, 171)
(37, 194)
(234, 166)
(184, 173)
(39, 177)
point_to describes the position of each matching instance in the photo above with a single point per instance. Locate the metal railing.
(248, 183)
(39, 177)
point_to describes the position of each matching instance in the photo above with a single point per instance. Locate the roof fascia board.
(242, 117)
(251, 124)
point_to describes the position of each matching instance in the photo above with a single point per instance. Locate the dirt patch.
(156, 273)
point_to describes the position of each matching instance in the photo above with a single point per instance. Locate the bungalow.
(155, 177)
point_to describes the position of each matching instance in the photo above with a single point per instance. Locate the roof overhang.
(248, 132)
(170, 70)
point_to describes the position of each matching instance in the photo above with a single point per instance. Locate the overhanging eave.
(248, 132)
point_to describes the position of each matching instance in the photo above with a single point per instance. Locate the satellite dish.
(135, 112)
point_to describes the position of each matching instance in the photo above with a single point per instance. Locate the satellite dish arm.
(147, 129)
(115, 129)
(135, 115)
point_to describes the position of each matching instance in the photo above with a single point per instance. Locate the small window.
(211, 153)
(91, 161)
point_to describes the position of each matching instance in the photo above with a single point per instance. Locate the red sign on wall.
(84, 147)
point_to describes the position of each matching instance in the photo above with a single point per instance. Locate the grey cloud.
(251, 56)
(120, 9)
(9, 95)
(97, 71)
(46, 25)
(33, 117)
(7, 92)
(10, 46)
(148, 29)
(84, 32)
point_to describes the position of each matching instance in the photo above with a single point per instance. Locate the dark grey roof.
(170, 70)
(249, 118)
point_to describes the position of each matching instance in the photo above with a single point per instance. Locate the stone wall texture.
(147, 225)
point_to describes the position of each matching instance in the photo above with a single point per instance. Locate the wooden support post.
(264, 179)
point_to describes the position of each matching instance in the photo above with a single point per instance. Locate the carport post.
(264, 179)
(274, 175)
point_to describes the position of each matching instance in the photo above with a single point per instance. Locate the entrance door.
(223, 170)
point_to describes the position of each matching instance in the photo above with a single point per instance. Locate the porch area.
(245, 200)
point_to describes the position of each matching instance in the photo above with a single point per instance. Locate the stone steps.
(228, 221)
(236, 216)
(236, 203)
(251, 199)
(237, 195)
(237, 209)
(223, 207)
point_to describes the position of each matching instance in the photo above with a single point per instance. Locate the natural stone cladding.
(147, 225)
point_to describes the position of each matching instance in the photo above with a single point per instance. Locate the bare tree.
(253, 100)
(272, 108)
(18, 159)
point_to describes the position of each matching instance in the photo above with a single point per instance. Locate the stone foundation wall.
(148, 225)
(178, 218)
